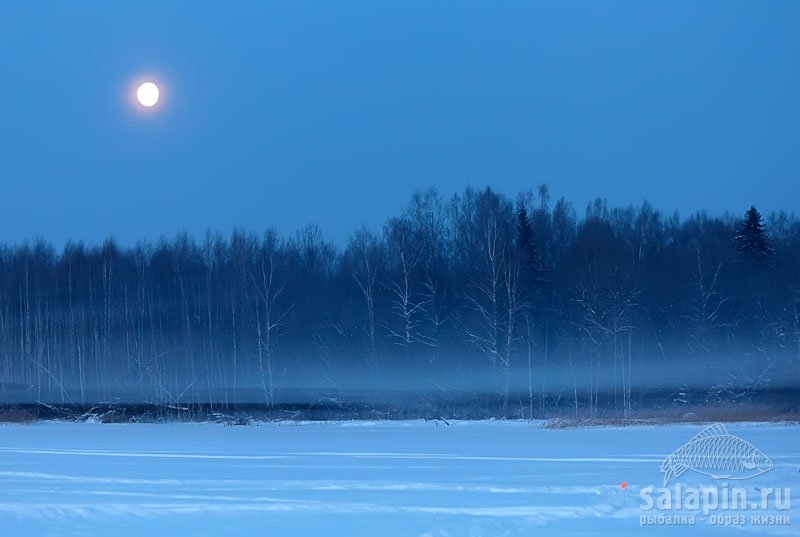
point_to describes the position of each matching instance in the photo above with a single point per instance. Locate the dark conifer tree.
(526, 245)
(752, 242)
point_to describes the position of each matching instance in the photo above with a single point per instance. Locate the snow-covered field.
(354, 478)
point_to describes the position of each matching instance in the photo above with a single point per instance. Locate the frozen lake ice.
(355, 478)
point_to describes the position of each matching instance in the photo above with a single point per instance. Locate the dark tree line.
(478, 289)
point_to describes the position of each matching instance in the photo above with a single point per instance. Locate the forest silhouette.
(522, 303)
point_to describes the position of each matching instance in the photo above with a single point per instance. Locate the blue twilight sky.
(335, 112)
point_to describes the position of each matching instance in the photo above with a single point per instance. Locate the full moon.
(147, 94)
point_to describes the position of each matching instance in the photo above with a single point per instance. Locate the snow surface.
(353, 478)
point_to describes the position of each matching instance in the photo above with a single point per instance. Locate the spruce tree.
(527, 254)
(752, 242)
(526, 246)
